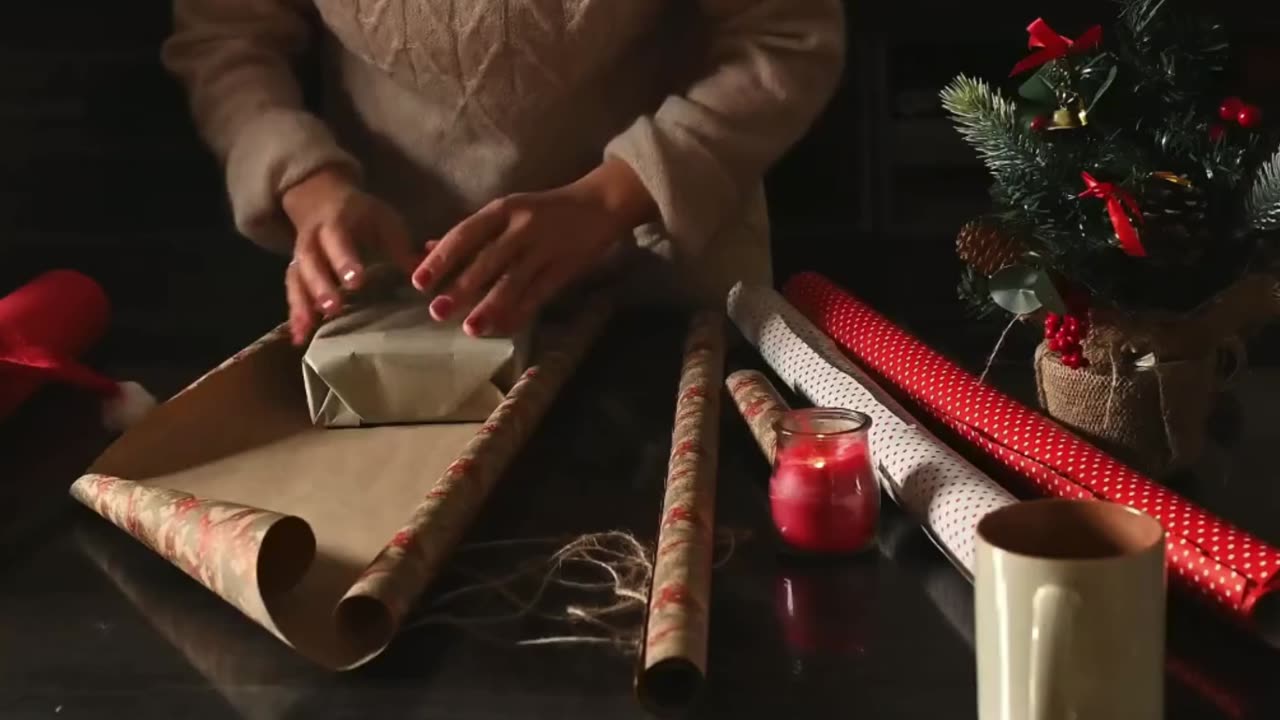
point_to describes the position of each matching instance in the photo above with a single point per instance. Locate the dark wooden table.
(93, 625)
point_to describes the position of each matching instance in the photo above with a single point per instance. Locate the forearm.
(235, 59)
(772, 67)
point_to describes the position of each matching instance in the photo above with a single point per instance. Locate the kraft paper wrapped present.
(232, 482)
(389, 362)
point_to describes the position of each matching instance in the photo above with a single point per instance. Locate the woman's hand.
(337, 226)
(515, 254)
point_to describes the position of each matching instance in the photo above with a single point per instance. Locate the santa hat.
(44, 327)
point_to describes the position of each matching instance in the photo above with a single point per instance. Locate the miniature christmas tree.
(1126, 173)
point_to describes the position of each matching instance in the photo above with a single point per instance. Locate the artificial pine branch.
(1262, 204)
(989, 122)
(975, 294)
(1138, 14)
(1177, 51)
(1022, 165)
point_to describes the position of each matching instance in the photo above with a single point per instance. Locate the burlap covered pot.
(1152, 378)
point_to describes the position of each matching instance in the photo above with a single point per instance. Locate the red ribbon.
(1053, 46)
(1117, 201)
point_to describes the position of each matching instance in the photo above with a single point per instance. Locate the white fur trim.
(126, 408)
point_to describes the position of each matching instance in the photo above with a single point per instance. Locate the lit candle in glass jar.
(823, 493)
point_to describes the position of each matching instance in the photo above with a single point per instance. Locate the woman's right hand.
(337, 225)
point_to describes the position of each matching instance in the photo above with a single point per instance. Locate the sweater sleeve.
(235, 58)
(772, 66)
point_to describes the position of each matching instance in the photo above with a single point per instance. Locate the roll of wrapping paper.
(760, 406)
(673, 658)
(62, 313)
(238, 665)
(230, 481)
(944, 492)
(1209, 557)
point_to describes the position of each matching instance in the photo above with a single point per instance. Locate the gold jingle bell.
(1068, 119)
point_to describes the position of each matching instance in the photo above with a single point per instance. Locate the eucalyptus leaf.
(1021, 289)
(1047, 293)
(1038, 90)
(1013, 289)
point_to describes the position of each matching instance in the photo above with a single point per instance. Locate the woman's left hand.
(516, 253)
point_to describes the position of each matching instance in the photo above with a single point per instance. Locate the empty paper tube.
(673, 658)
(305, 529)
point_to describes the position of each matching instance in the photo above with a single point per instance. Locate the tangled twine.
(610, 571)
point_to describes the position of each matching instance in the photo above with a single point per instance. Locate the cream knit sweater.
(443, 105)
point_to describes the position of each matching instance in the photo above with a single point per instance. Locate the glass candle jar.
(823, 492)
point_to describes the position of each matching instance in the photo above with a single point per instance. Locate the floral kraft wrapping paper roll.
(1231, 569)
(760, 407)
(945, 493)
(673, 658)
(232, 482)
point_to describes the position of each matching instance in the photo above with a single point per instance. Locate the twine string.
(1115, 384)
(612, 570)
(991, 359)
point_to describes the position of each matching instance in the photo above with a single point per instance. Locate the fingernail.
(476, 326)
(441, 307)
(349, 276)
(422, 279)
(329, 305)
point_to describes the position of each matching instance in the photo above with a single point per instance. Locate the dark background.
(100, 169)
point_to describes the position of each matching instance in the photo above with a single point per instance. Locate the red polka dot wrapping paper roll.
(1207, 556)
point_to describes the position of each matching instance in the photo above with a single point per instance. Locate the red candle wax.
(824, 496)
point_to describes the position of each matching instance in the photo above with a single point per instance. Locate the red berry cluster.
(1235, 110)
(1064, 334)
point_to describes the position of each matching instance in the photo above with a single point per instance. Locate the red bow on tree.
(1117, 201)
(1053, 46)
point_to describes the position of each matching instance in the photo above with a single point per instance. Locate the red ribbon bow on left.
(1117, 201)
(1053, 46)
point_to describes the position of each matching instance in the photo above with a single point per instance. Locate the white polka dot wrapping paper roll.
(1233, 570)
(942, 490)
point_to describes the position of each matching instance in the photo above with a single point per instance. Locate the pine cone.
(985, 249)
(1170, 200)
(1176, 219)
